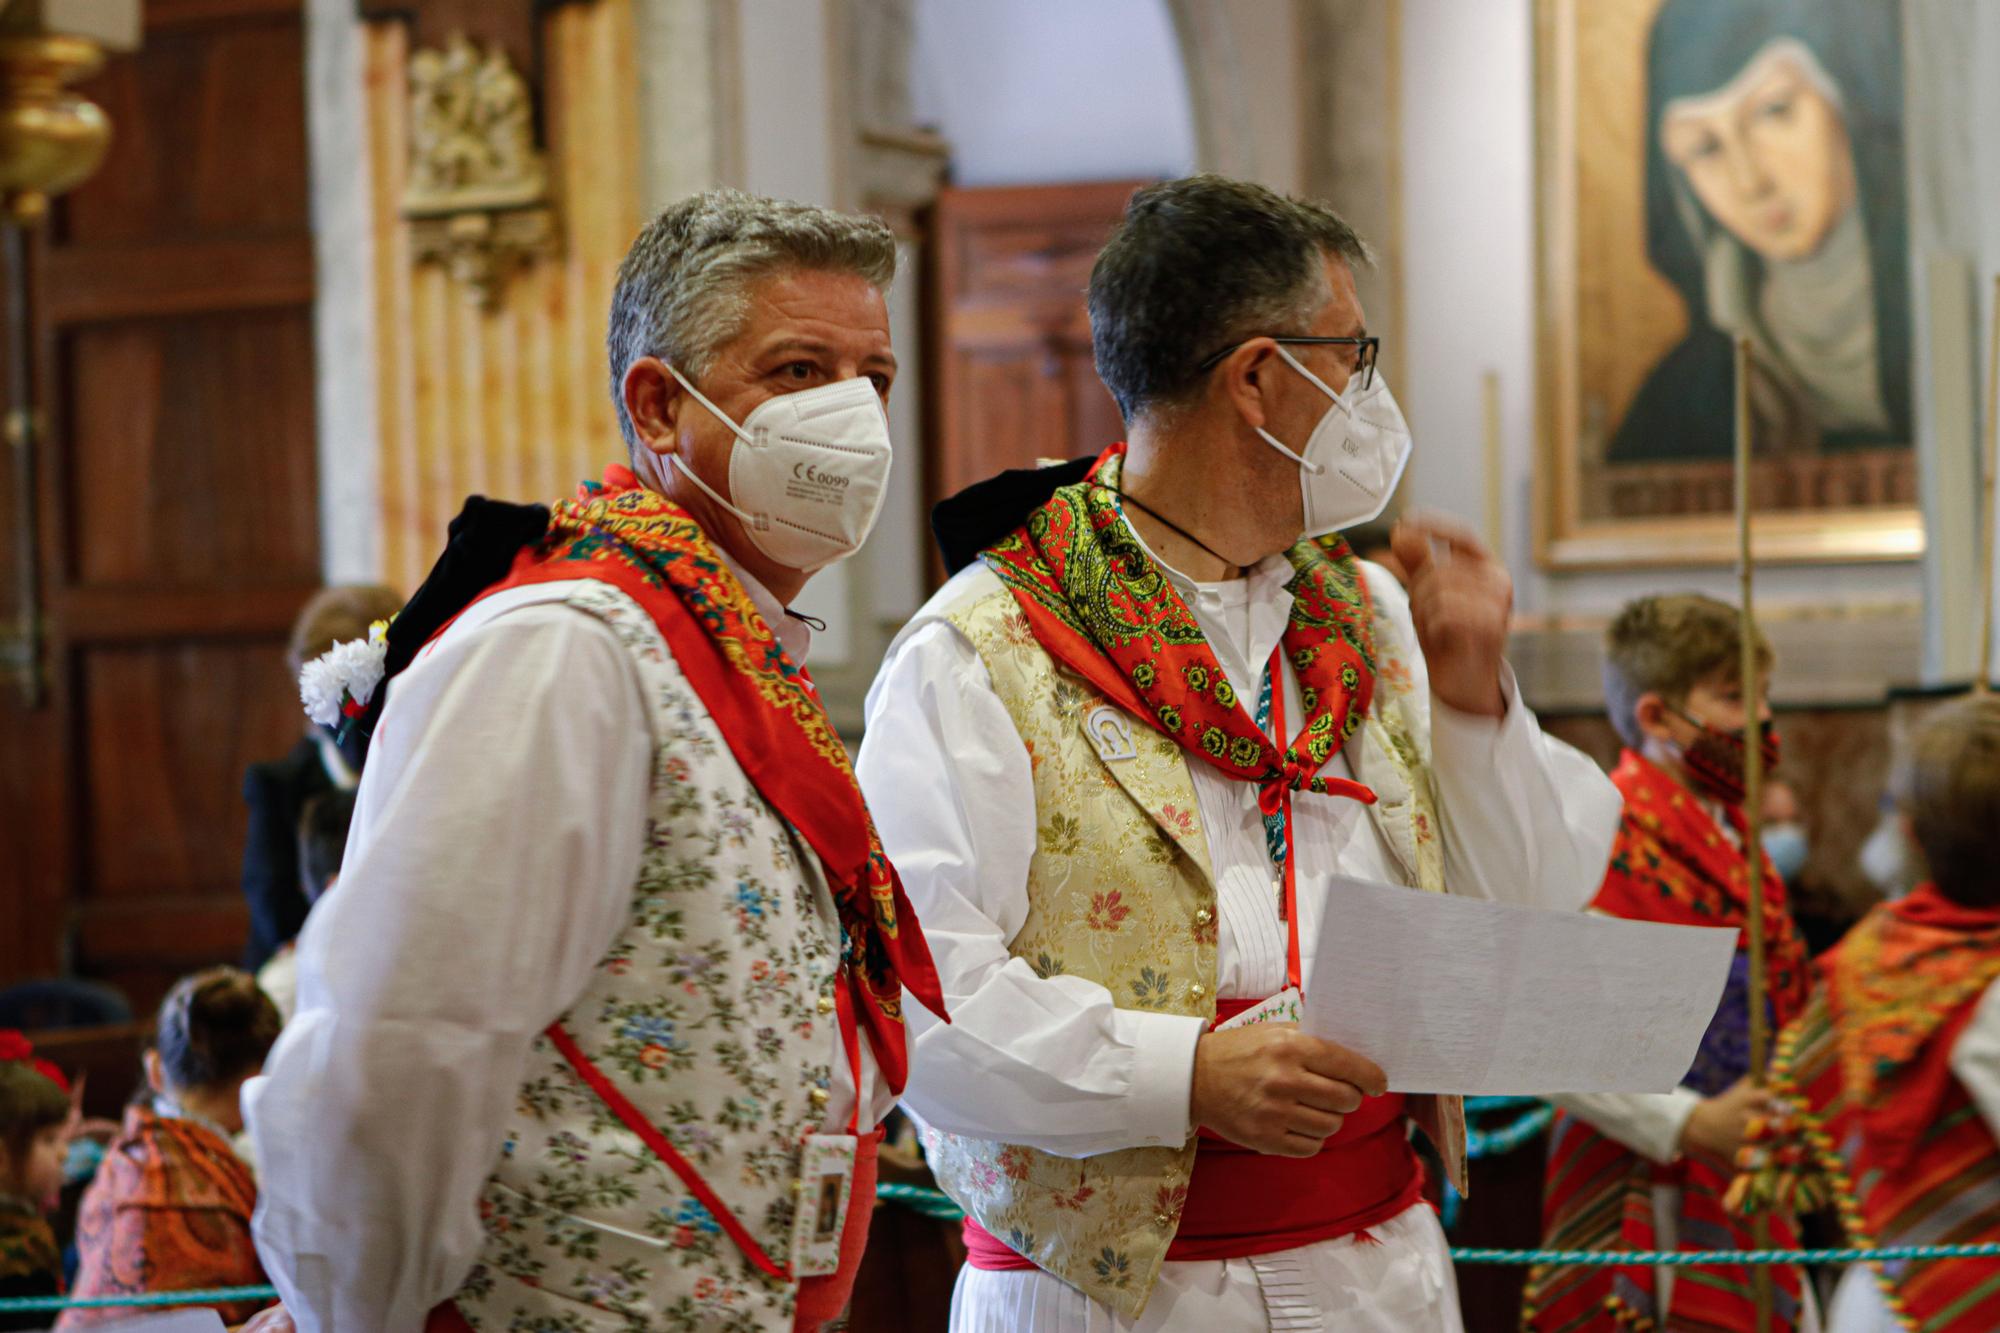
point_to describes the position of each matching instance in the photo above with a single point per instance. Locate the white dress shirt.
(496, 837)
(1055, 1064)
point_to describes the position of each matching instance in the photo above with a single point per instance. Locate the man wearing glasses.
(1116, 760)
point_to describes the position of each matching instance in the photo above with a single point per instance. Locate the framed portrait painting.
(1716, 170)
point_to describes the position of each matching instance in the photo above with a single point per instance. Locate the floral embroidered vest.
(713, 1012)
(1130, 829)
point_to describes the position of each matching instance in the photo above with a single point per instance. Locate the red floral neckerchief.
(1101, 606)
(764, 703)
(1670, 863)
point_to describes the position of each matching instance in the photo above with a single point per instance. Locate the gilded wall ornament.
(477, 195)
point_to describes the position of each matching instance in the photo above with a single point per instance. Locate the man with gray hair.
(1120, 755)
(580, 1042)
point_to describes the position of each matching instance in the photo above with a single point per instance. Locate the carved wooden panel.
(171, 298)
(1009, 332)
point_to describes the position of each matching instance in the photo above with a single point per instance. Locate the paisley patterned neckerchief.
(1099, 604)
(766, 707)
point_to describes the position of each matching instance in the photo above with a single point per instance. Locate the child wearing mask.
(35, 1117)
(1889, 1083)
(1630, 1172)
(171, 1206)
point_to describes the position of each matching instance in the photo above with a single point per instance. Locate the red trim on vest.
(650, 1135)
(820, 1298)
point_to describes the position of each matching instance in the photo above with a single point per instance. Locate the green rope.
(1684, 1258)
(932, 1203)
(935, 1203)
(1507, 1138)
(929, 1203)
(220, 1296)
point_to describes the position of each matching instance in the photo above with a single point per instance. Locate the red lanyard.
(1288, 902)
(850, 1038)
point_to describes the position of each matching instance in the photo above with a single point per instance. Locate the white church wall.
(1044, 91)
(344, 309)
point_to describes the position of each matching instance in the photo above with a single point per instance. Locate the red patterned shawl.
(1874, 1119)
(169, 1211)
(1670, 863)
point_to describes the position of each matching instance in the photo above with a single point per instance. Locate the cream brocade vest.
(713, 1013)
(1121, 892)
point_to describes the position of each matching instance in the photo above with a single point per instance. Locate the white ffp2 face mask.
(808, 470)
(1354, 457)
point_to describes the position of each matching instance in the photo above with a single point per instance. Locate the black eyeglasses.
(1367, 349)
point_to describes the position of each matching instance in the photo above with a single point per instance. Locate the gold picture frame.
(1619, 338)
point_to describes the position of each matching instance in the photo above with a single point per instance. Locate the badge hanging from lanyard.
(826, 1169)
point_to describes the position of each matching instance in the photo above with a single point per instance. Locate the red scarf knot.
(1294, 777)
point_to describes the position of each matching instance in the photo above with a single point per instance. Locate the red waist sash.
(1242, 1202)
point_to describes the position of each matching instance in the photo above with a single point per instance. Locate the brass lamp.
(51, 140)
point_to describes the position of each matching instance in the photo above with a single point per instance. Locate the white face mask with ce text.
(1354, 457)
(809, 470)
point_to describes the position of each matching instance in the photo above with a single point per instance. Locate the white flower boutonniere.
(338, 685)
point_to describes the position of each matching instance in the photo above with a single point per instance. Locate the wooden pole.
(1988, 468)
(1753, 785)
(1496, 470)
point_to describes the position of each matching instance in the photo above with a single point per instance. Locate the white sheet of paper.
(1461, 995)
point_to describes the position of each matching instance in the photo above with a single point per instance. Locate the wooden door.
(171, 298)
(1008, 330)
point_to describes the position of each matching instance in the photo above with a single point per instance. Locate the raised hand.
(1461, 599)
